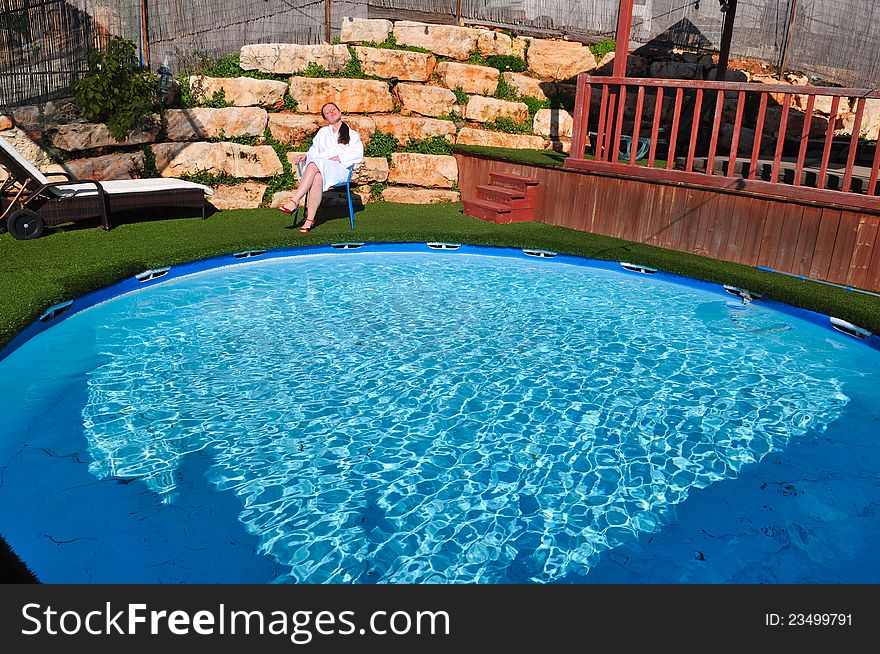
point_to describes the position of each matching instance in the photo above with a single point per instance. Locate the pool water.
(439, 418)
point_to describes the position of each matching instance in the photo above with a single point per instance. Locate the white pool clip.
(248, 253)
(149, 275)
(444, 246)
(849, 329)
(636, 268)
(346, 246)
(541, 254)
(55, 310)
(745, 295)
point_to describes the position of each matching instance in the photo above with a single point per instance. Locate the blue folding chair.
(346, 184)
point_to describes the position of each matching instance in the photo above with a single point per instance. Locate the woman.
(336, 147)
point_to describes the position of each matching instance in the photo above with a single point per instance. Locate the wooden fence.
(816, 240)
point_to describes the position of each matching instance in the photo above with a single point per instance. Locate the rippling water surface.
(398, 418)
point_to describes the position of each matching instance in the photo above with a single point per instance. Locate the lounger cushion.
(123, 186)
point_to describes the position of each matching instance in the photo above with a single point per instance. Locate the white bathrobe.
(325, 146)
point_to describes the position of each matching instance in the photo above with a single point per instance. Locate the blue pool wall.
(57, 313)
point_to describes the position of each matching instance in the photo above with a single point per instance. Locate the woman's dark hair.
(344, 133)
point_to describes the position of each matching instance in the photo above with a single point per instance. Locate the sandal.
(283, 208)
(306, 228)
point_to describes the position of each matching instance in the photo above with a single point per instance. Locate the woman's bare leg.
(305, 184)
(316, 192)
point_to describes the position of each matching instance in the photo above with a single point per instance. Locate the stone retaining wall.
(442, 90)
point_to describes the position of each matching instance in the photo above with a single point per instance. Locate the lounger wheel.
(25, 224)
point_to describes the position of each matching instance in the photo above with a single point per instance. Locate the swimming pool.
(406, 414)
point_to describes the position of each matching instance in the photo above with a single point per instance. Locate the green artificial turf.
(68, 263)
(546, 158)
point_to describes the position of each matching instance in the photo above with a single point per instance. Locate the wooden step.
(509, 180)
(486, 209)
(500, 194)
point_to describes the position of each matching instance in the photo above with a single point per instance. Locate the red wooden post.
(655, 126)
(780, 137)
(581, 118)
(853, 144)
(759, 135)
(737, 126)
(624, 27)
(716, 125)
(640, 100)
(805, 136)
(695, 127)
(673, 134)
(599, 147)
(829, 135)
(875, 169)
(618, 128)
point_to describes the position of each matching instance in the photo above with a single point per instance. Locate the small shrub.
(217, 101)
(478, 59)
(506, 63)
(376, 190)
(506, 92)
(534, 104)
(460, 96)
(510, 126)
(116, 91)
(431, 145)
(602, 48)
(391, 44)
(290, 103)
(381, 145)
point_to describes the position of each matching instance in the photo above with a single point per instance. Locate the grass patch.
(602, 48)
(391, 44)
(533, 157)
(67, 263)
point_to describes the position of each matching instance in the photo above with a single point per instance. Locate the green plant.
(391, 44)
(506, 63)
(510, 126)
(376, 190)
(290, 103)
(602, 48)
(460, 96)
(116, 91)
(478, 59)
(381, 145)
(209, 179)
(335, 41)
(431, 145)
(217, 100)
(504, 91)
(149, 169)
(534, 105)
(351, 70)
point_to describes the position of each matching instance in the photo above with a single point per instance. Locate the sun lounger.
(29, 201)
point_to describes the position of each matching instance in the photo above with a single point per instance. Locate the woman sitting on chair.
(336, 147)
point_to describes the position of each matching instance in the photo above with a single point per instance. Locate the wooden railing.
(728, 135)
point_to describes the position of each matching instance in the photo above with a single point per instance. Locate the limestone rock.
(472, 136)
(725, 140)
(27, 117)
(61, 111)
(5, 122)
(426, 100)
(85, 136)
(175, 159)
(559, 60)
(405, 128)
(519, 45)
(423, 169)
(419, 196)
(446, 40)
(471, 78)
(28, 149)
(290, 58)
(293, 129)
(555, 123)
(239, 91)
(822, 104)
(280, 198)
(238, 196)
(199, 124)
(128, 165)
(491, 43)
(354, 95)
(360, 30)
(402, 64)
(675, 70)
(363, 125)
(485, 110)
(373, 169)
(871, 120)
(529, 86)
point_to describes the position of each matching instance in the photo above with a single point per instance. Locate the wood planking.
(866, 243)
(821, 242)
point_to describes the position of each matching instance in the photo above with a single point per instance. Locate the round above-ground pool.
(414, 413)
